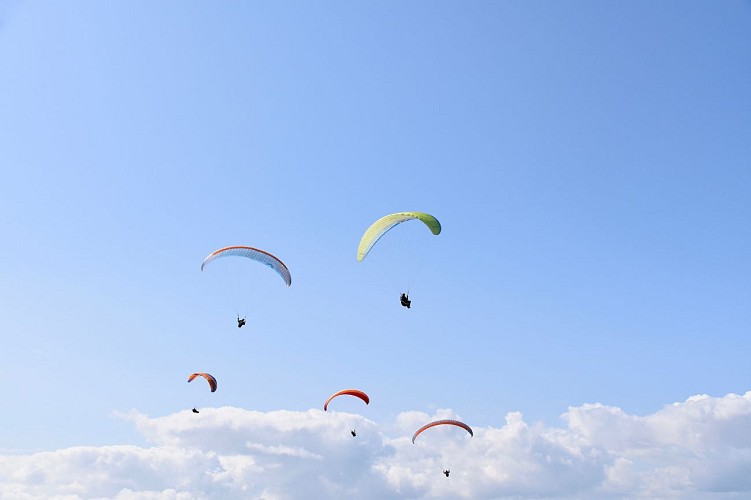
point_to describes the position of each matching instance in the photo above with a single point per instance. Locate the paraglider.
(427, 426)
(209, 378)
(252, 254)
(441, 422)
(347, 392)
(404, 299)
(383, 225)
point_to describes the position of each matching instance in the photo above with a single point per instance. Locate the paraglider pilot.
(240, 322)
(447, 472)
(195, 411)
(353, 433)
(404, 299)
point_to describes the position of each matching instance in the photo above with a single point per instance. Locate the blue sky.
(588, 160)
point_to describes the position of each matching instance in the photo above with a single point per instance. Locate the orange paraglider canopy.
(347, 392)
(442, 422)
(209, 378)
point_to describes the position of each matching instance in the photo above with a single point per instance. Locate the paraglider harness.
(404, 299)
(447, 472)
(353, 433)
(240, 322)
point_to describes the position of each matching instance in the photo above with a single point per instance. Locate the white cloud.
(700, 448)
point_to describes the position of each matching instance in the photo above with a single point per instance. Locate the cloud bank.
(700, 448)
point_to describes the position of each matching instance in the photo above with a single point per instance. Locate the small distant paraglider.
(348, 392)
(430, 425)
(209, 378)
(253, 254)
(385, 224)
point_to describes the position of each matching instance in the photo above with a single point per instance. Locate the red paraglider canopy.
(347, 392)
(442, 422)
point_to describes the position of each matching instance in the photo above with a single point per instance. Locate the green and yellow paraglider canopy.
(384, 224)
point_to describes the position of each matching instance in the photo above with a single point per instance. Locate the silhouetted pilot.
(404, 299)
